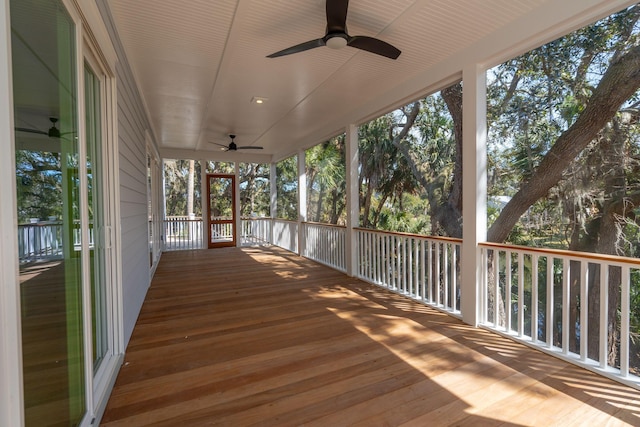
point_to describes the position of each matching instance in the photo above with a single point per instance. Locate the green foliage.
(255, 189)
(532, 100)
(421, 173)
(287, 189)
(326, 181)
(176, 178)
(39, 185)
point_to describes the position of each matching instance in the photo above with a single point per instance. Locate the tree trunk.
(367, 205)
(453, 98)
(319, 204)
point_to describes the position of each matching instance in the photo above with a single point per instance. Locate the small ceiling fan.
(53, 131)
(233, 147)
(336, 36)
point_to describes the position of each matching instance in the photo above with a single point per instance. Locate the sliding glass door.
(63, 210)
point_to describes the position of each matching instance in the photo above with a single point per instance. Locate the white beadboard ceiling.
(199, 63)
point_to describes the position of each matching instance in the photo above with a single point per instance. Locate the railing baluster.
(445, 275)
(409, 265)
(550, 300)
(397, 282)
(376, 251)
(374, 258)
(383, 244)
(405, 278)
(534, 298)
(454, 279)
(566, 270)
(520, 294)
(507, 290)
(430, 271)
(604, 315)
(496, 297)
(416, 269)
(423, 285)
(437, 278)
(625, 306)
(584, 298)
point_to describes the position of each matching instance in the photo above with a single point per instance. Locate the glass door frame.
(100, 380)
(232, 221)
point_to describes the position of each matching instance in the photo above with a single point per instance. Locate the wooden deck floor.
(254, 336)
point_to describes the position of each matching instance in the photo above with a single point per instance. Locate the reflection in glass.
(47, 181)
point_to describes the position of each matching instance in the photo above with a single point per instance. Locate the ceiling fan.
(336, 36)
(53, 131)
(233, 147)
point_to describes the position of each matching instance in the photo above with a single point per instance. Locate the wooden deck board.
(255, 336)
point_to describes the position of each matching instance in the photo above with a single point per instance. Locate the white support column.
(11, 403)
(302, 201)
(353, 199)
(474, 189)
(204, 184)
(236, 207)
(273, 208)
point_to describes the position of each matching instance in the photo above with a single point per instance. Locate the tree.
(287, 189)
(182, 195)
(255, 189)
(326, 184)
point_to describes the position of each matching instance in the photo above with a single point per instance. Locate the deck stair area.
(261, 336)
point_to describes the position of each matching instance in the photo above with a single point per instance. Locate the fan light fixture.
(337, 42)
(54, 132)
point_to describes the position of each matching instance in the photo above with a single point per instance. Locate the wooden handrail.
(398, 233)
(563, 252)
(324, 224)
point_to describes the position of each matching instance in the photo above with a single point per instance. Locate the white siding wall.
(132, 124)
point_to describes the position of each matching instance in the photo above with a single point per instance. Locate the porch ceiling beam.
(219, 156)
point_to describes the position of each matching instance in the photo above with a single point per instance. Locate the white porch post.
(474, 190)
(302, 201)
(273, 201)
(236, 206)
(353, 199)
(11, 403)
(204, 183)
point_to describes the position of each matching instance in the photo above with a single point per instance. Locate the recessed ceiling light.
(258, 100)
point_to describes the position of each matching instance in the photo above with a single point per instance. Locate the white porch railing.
(423, 268)
(221, 231)
(326, 244)
(560, 302)
(43, 240)
(285, 234)
(256, 231)
(182, 233)
(39, 241)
